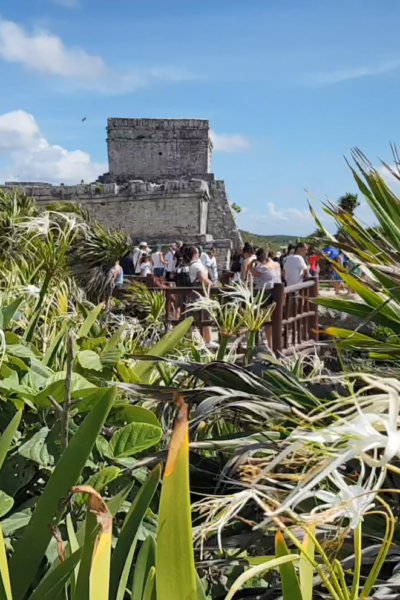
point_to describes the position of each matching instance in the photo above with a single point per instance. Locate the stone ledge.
(115, 122)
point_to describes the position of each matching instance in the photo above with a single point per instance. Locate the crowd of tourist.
(185, 265)
(268, 268)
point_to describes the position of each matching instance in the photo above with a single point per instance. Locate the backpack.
(182, 276)
(236, 265)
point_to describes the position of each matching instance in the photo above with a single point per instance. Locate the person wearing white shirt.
(170, 266)
(212, 269)
(146, 266)
(138, 254)
(158, 262)
(199, 276)
(295, 266)
(205, 259)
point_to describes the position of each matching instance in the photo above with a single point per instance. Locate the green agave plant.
(376, 251)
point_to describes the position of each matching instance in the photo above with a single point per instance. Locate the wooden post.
(278, 296)
(313, 321)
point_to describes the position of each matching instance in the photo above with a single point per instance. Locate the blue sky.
(289, 86)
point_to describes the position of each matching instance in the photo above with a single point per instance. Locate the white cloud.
(30, 157)
(229, 142)
(67, 3)
(286, 214)
(339, 75)
(45, 52)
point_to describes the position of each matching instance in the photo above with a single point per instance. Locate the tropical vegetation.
(135, 464)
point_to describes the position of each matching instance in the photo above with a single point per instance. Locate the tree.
(348, 202)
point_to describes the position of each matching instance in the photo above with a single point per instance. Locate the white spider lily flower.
(31, 290)
(239, 292)
(367, 431)
(204, 303)
(38, 225)
(71, 221)
(351, 501)
(345, 440)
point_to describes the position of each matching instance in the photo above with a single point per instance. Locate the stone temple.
(159, 187)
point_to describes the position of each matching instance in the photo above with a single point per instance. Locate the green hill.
(272, 242)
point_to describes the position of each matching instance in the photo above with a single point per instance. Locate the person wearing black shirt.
(127, 265)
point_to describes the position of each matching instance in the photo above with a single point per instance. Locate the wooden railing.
(294, 320)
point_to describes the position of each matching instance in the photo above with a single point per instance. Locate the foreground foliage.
(133, 464)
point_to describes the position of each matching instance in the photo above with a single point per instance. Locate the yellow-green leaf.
(5, 586)
(176, 575)
(290, 583)
(306, 566)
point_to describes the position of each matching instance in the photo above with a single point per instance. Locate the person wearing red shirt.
(313, 260)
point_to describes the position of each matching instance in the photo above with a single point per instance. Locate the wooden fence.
(294, 320)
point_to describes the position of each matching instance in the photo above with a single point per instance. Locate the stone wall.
(221, 218)
(153, 148)
(169, 211)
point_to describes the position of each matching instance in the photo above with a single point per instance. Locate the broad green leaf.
(103, 477)
(145, 560)
(36, 449)
(56, 388)
(50, 587)
(9, 311)
(134, 414)
(9, 386)
(176, 574)
(20, 351)
(34, 381)
(163, 347)
(306, 567)
(12, 338)
(18, 362)
(89, 321)
(88, 359)
(6, 372)
(134, 438)
(290, 583)
(6, 503)
(130, 528)
(37, 535)
(8, 435)
(15, 522)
